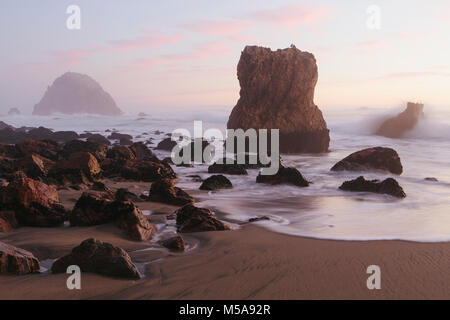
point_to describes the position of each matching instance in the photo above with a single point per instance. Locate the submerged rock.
(216, 182)
(378, 158)
(98, 257)
(277, 92)
(164, 191)
(75, 93)
(193, 219)
(396, 127)
(389, 186)
(17, 261)
(284, 176)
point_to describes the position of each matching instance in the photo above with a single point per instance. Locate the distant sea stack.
(396, 127)
(13, 112)
(277, 92)
(75, 93)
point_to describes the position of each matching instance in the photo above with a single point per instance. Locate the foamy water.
(320, 210)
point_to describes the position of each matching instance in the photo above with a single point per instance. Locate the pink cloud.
(295, 14)
(216, 28)
(153, 39)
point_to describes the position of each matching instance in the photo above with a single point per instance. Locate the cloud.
(216, 28)
(153, 39)
(296, 14)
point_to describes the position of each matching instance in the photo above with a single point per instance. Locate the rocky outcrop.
(175, 243)
(389, 186)
(80, 168)
(378, 158)
(284, 176)
(8, 221)
(396, 127)
(193, 219)
(35, 166)
(98, 257)
(33, 202)
(164, 191)
(45, 148)
(132, 221)
(277, 92)
(96, 149)
(11, 135)
(75, 93)
(216, 182)
(91, 209)
(17, 261)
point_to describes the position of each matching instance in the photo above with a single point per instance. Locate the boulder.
(233, 169)
(96, 149)
(33, 202)
(132, 221)
(397, 126)
(120, 153)
(123, 194)
(98, 138)
(284, 176)
(17, 261)
(45, 148)
(98, 257)
(119, 136)
(378, 158)
(147, 171)
(141, 152)
(166, 144)
(64, 136)
(277, 92)
(35, 166)
(79, 168)
(92, 209)
(40, 133)
(8, 221)
(216, 182)
(193, 219)
(164, 191)
(175, 243)
(389, 186)
(74, 93)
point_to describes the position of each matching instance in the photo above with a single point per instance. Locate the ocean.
(320, 210)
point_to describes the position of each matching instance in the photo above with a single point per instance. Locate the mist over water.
(320, 210)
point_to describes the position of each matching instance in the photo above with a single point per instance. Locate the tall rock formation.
(75, 93)
(277, 92)
(397, 126)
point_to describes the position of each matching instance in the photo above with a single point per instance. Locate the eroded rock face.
(17, 261)
(396, 127)
(33, 202)
(389, 186)
(216, 182)
(164, 191)
(98, 257)
(193, 219)
(277, 92)
(284, 176)
(75, 93)
(378, 158)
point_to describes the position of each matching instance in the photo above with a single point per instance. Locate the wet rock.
(132, 221)
(40, 133)
(396, 127)
(45, 148)
(216, 182)
(98, 257)
(79, 168)
(195, 178)
(98, 138)
(284, 176)
(120, 153)
(98, 150)
(175, 243)
(263, 218)
(64, 136)
(277, 91)
(164, 191)
(378, 158)
(35, 166)
(193, 219)
(233, 169)
(141, 151)
(147, 171)
(125, 142)
(17, 261)
(166, 144)
(8, 221)
(389, 186)
(92, 209)
(118, 136)
(432, 179)
(100, 186)
(123, 194)
(33, 202)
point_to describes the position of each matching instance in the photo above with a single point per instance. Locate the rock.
(35, 166)
(40, 133)
(98, 257)
(8, 221)
(141, 151)
(46, 148)
(175, 243)
(263, 218)
(165, 191)
(13, 112)
(7, 150)
(17, 261)
(277, 91)
(120, 153)
(195, 178)
(389, 186)
(64, 136)
(166, 144)
(3, 125)
(193, 219)
(378, 158)
(96, 149)
(118, 136)
(98, 138)
(132, 221)
(33, 202)
(79, 168)
(75, 93)
(216, 182)
(7, 167)
(123, 194)
(284, 176)
(432, 179)
(233, 169)
(396, 127)
(100, 186)
(91, 209)
(147, 171)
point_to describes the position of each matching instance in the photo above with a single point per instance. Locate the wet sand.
(246, 263)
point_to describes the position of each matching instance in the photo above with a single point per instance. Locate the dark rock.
(263, 218)
(389, 186)
(396, 127)
(123, 194)
(91, 209)
(193, 219)
(40, 133)
(164, 191)
(64, 136)
(378, 158)
(17, 261)
(98, 257)
(141, 151)
(132, 221)
(74, 146)
(147, 171)
(8, 221)
(75, 93)
(216, 182)
(233, 169)
(277, 91)
(98, 138)
(432, 179)
(100, 186)
(35, 166)
(118, 136)
(121, 153)
(5, 126)
(79, 168)
(284, 176)
(46, 148)
(175, 243)
(166, 144)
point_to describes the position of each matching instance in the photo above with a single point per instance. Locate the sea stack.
(277, 92)
(396, 127)
(75, 93)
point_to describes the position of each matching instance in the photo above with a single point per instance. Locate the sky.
(151, 55)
